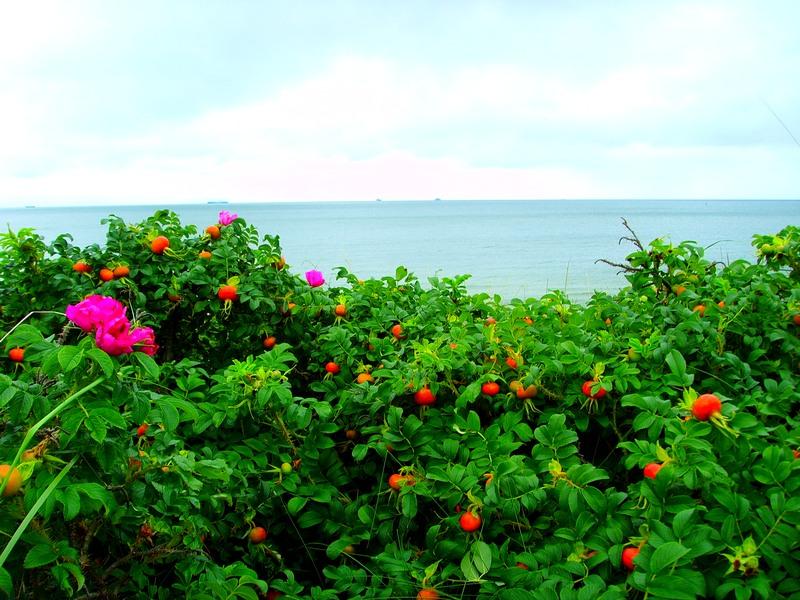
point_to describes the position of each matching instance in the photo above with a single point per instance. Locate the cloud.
(640, 102)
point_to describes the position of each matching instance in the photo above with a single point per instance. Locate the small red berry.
(159, 244)
(706, 406)
(258, 535)
(424, 397)
(490, 388)
(586, 388)
(470, 521)
(227, 292)
(652, 469)
(628, 554)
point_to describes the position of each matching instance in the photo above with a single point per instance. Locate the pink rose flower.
(106, 317)
(314, 278)
(226, 218)
(94, 311)
(125, 342)
(144, 340)
(113, 345)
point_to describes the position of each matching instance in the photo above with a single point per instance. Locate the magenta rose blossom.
(314, 278)
(226, 218)
(94, 311)
(144, 340)
(113, 344)
(125, 342)
(106, 317)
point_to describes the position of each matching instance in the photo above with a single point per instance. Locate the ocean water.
(516, 249)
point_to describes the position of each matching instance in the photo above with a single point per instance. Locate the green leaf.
(409, 505)
(75, 571)
(677, 366)
(70, 357)
(96, 492)
(6, 585)
(97, 428)
(469, 395)
(665, 555)
(468, 569)
(482, 556)
(473, 421)
(110, 416)
(150, 366)
(24, 335)
(681, 522)
(103, 360)
(169, 414)
(335, 548)
(7, 395)
(71, 502)
(296, 504)
(39, 555)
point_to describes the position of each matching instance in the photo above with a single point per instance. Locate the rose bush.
(596, 465)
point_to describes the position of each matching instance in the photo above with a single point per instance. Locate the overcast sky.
(188, 101)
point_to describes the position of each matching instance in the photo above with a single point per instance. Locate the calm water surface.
(512, 248)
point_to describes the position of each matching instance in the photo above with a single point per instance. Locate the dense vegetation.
(384, 439)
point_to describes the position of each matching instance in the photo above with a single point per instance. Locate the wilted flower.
(314, 278)
(226, 218)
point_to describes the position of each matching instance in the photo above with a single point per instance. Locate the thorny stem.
(286, 434)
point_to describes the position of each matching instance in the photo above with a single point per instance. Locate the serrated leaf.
(39, 555)
(75, 571)
(469, 395)
(409, 505)
(246, 593)
(96, 492)
(468, 569)
(681, 521)
(70, 357)
(6, 584)
(71, 502)
(169, 414)
(24, 335)
(97, 428)
(149, 365)
(482, 557)
(296, 504)
(473, 421)
(677, 367)
(110, 416)
(336, 547)
(666, 555)
(103, 360)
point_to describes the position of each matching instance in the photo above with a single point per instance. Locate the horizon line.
(217, 202)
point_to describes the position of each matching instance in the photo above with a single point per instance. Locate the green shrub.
(144, 477)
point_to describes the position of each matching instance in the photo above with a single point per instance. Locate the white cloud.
(660, 103)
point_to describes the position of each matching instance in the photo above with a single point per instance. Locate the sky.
(189, 101)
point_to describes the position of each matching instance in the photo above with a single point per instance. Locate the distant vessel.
(217, 202)
(30, 206)
(437, 199)
(378, 200)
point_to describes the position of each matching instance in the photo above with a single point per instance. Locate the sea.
(514, 249)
